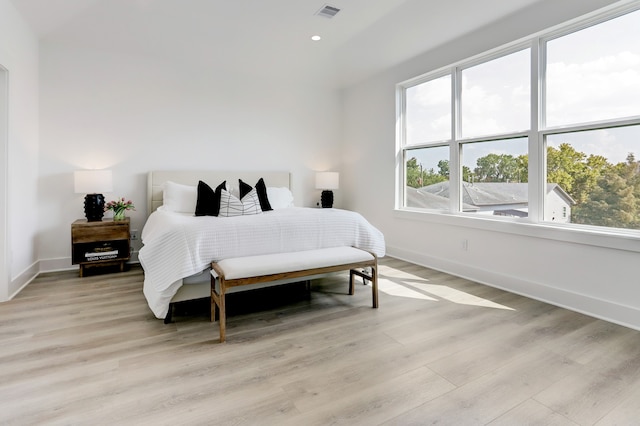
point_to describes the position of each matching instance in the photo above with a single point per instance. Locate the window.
(427, 175)
(426, 164)
(595, 175)
(594, 74)
(494, 177)
(495, 96)
(495, 110)
(466, 130)
(428, 111)
(593, 87)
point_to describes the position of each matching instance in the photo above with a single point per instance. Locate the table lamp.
(93, 183)
(327, 181)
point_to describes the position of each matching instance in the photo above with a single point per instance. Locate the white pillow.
(232, 206)
(279, 198)
(179, 198)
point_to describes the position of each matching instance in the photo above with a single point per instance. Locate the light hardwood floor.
(439, 350)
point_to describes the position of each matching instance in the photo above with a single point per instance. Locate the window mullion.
(401, 144)
(536, 141)
(455, 162)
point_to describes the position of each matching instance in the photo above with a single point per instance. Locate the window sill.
(614, 239)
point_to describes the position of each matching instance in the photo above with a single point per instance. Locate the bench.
(229, 274)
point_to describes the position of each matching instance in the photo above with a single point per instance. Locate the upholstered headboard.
(157, 178)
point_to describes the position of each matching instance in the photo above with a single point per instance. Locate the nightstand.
(101, 243)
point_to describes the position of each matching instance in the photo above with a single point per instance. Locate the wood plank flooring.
(439, 350)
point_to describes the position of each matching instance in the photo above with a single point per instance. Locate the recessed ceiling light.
(316, 38)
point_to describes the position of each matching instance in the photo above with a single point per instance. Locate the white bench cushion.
(268, 264)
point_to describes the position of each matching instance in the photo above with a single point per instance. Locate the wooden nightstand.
(99, 243)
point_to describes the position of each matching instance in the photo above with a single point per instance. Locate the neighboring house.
(557, 206)
(416, 197)
(494, 198)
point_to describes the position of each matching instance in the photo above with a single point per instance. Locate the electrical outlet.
(134, 234)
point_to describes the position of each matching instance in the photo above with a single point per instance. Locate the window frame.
(534, 224)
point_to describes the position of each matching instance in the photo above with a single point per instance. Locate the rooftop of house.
(475, 195)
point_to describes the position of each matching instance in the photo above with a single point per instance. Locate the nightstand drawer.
(88, 231)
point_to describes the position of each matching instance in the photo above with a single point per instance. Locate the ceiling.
(269, 37)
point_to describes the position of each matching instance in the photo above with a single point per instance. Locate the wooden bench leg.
(373, 277)
(374, 285)
(218, 307)
(223, 319)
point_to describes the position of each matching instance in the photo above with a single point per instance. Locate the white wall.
(529, 260)
(19, 55)
(134, 114)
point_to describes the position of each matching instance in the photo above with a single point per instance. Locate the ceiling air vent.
(328, 11)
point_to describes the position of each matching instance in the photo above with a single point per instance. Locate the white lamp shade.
(327, 180)
(92, 181)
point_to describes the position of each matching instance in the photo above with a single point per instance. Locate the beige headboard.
(157, 178)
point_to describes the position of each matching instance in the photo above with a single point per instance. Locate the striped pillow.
(232, 206)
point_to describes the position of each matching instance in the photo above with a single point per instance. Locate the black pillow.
(208, 203)
(261, 189)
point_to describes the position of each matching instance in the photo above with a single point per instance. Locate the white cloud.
(604, 88)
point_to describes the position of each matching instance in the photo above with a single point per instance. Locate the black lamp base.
(326, 199)
(94, 207)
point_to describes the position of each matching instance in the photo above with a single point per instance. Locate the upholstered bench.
(271, 269)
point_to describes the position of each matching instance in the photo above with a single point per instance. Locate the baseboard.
(627, 316)
(23, 279)
(47, 265)
(64, 264)
(56, 265)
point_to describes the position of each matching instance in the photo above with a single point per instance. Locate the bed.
(178, 247)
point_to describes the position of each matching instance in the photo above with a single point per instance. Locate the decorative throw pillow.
(208, 203)
(232, 206)
(178, 198)
(279, 198)
(261, 189)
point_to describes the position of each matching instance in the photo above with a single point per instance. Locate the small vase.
(119, 214)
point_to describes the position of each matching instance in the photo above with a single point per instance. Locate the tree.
(443, 168)
(611, 203)
(574, 171)
(498, 168)
(522, 162)
(418, 177)
(413, 173)
(430, 177)
(614, 199)
(467, 175)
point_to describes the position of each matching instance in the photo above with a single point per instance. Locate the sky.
(592, 75)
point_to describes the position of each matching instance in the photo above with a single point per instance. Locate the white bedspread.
(178, 245)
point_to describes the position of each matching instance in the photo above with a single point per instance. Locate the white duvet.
(178, 245)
